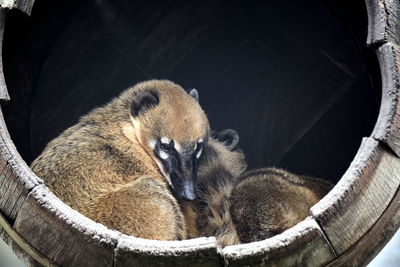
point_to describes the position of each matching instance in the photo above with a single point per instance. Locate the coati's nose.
(188, 192)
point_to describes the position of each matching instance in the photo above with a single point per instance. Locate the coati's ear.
(229, 137)
(193, 93)
(143, 101)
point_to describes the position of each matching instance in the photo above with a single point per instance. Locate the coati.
(140, 151)
(238, 207)
(219, 166)
(266, 202)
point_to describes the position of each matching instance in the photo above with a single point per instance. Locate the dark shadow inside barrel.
(294, 78)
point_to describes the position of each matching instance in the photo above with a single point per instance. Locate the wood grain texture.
(20, 247)
(376, 22)
(23, 5)
(16, 179)
(302, 245)
(18, 251)
(387, 127)
(3, 88)
(62, 234)
(360, 197)
(363, 251)
(132, 251)
(383, 22)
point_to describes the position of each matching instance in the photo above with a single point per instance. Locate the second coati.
(238, 207)
(127, 163)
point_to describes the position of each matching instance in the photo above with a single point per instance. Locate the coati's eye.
(166, 147)
(199, 148)
(166, 144)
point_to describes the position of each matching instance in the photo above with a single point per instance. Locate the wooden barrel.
(348, 226)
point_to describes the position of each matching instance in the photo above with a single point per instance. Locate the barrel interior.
(294, 78)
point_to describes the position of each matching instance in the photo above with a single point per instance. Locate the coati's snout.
(170, 124)
(178, 163)
(180, 166)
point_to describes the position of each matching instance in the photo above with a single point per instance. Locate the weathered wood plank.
(387, 127)
(9, 191)
(3, 88)
(360, 197)
(376, 22)
(23, 5)
(16, 179)
(2, 173)
(362, 252)
(62, 234)
(383, 22)
(21, 248)
(19, 252)
(5, 176)
(302, 245)
(132, 251)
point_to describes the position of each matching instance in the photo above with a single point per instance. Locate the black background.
(294, 78)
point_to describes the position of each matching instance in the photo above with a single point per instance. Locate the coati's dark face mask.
(178, 163)
(173, 131)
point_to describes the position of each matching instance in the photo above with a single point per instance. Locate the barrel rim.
(381, 149)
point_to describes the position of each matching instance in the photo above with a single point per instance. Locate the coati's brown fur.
(266, 202)
(106, 168)
(219, 166)
(133, 206)
(238, 207)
